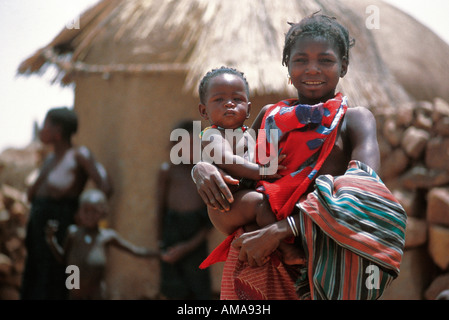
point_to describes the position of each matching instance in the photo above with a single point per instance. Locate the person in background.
(183, 229)
(55, 196)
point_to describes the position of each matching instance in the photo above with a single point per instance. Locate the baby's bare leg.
(244, 210)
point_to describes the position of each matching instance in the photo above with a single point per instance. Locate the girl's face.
(226, 104)
(315, 67)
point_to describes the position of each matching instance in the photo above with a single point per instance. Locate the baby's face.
(227, 104)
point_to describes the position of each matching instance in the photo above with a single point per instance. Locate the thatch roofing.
(416, 56)
(193, 36)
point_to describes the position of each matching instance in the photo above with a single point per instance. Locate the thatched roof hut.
(191, 37)
(416, 56)
(136, 65)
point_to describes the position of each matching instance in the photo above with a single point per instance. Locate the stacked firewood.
(414, 144)
(14, 212)
(16, 167)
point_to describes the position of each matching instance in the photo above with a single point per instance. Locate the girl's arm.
(362, 133)
(212, 185)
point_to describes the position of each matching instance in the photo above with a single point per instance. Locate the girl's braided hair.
(215, 72)
(318, 25)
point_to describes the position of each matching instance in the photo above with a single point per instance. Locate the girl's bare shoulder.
(358, 113)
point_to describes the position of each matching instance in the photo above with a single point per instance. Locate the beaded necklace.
(214, 126)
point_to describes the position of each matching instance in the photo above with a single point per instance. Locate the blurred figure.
(443, 295)
(86, 246)
(55, 196)
(183, 227)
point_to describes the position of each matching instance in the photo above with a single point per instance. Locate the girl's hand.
(256, 246)
(211, 184)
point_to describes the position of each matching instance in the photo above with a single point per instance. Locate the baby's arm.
(217, 150)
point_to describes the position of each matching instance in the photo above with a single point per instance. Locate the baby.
(227, 143)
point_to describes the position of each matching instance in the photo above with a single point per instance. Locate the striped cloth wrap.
(353, 234)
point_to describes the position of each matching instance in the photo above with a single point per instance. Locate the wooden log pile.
(414, 145)
(14, 212)
(16, 165)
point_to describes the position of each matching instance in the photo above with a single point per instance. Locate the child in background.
(86, 246)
